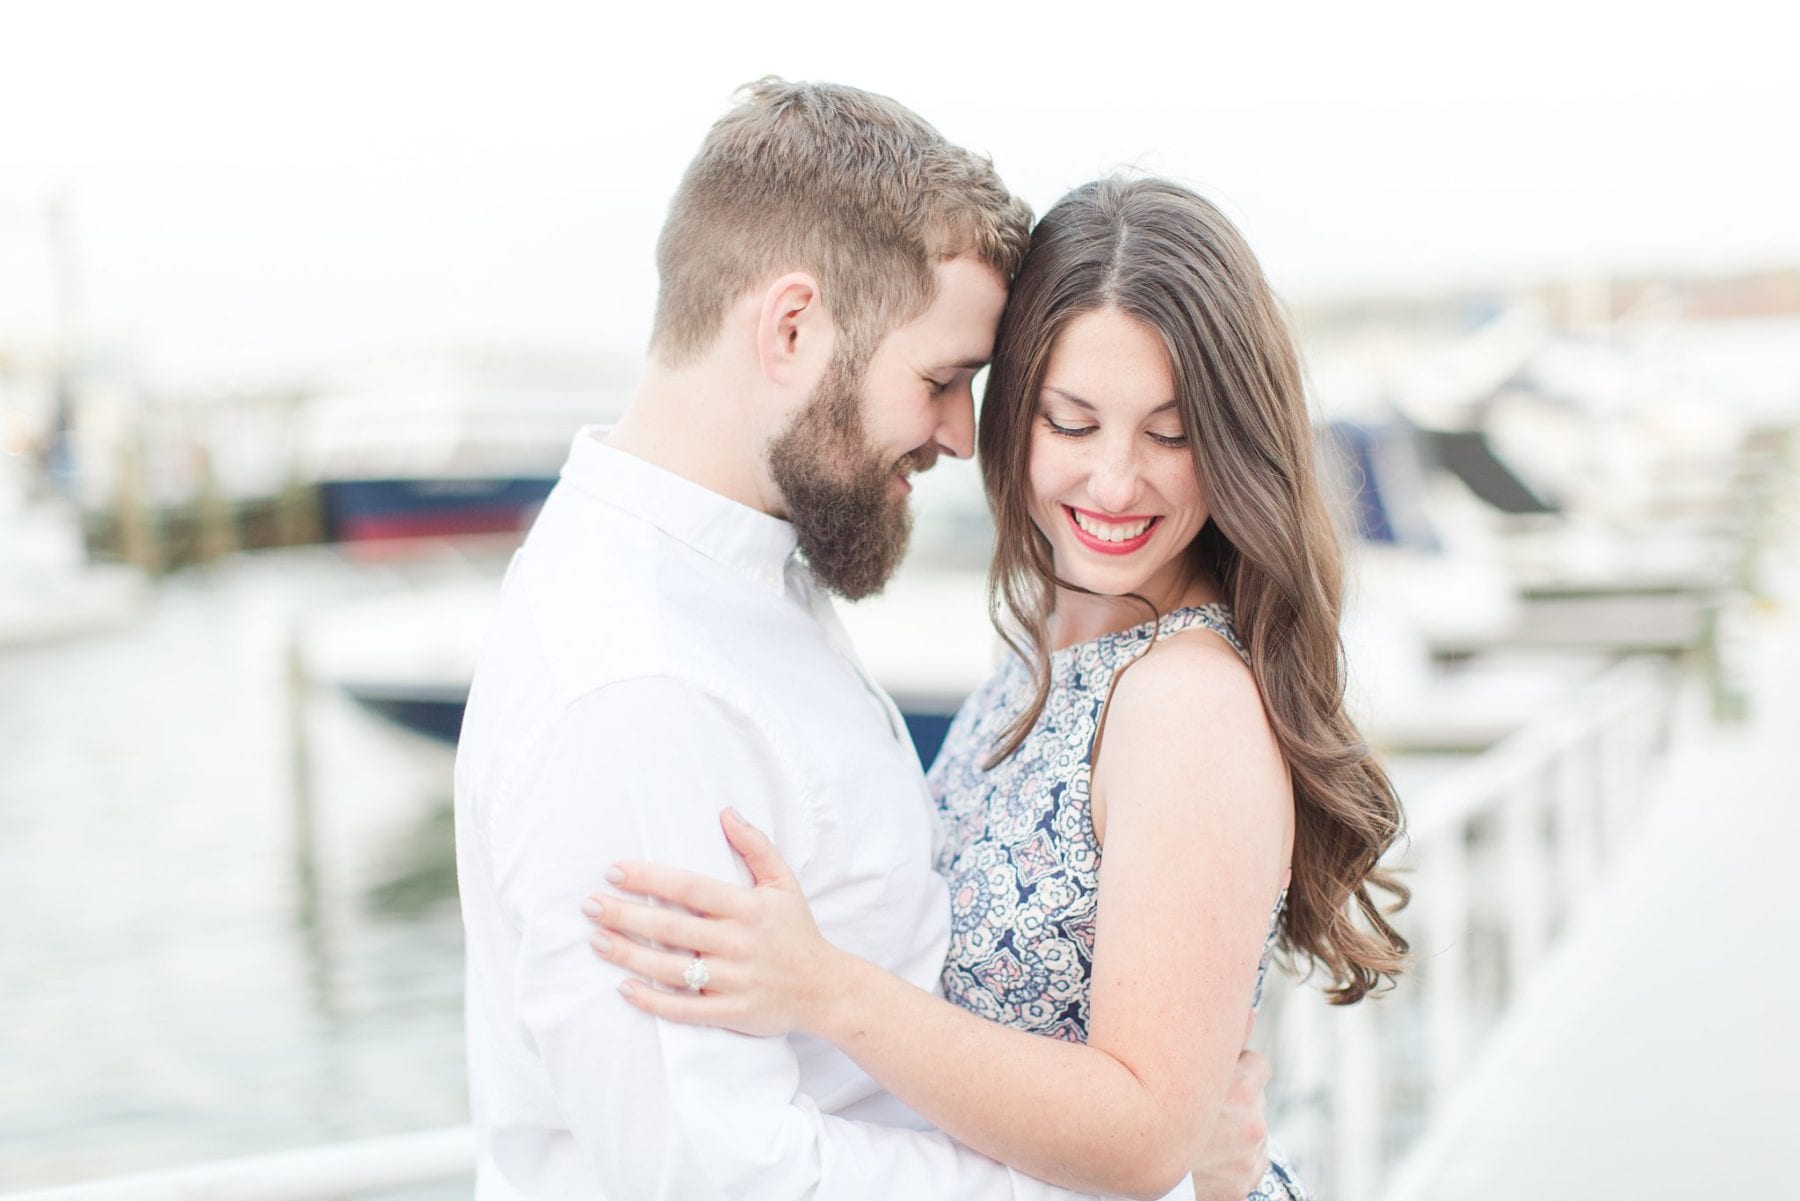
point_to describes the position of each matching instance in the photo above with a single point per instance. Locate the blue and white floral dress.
(1020, 854)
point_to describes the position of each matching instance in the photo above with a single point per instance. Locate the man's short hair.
(845, 184)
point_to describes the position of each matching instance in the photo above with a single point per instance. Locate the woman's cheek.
(1054, 465)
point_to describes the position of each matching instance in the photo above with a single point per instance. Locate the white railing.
(310, 1174)
(1500, 853)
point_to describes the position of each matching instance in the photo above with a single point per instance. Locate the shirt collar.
(747, 540)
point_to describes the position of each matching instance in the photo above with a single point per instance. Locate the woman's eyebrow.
(1075, 400)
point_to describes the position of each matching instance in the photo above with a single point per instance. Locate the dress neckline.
(1220, 609)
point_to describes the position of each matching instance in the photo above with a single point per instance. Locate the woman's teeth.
(1107, 532)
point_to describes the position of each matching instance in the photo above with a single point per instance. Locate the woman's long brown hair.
(1166, 257)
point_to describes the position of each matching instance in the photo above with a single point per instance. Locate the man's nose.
(955, 433)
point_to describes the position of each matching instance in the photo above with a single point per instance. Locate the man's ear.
(793, 331)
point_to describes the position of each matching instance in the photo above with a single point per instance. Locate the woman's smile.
(1110, 535)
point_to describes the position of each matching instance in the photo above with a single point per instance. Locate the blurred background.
(300, 306)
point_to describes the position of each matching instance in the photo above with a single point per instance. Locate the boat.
(1512, 539)
(432, 710)
(449, 443)
(368, 510)
(406, 656)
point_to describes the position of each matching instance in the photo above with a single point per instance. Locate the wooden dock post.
(215, 519)
(140, 538)
(306, 860)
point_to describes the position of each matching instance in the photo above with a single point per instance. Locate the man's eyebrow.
(1075, 400)
(971, 364)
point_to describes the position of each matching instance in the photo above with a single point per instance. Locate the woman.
(1147, 454)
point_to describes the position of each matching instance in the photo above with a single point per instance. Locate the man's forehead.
(964, 315)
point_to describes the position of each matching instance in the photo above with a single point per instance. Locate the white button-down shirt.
(660, 653)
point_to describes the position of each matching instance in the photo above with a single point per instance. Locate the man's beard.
(839, 493)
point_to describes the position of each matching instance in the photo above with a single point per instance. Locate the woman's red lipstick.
(1099, 544)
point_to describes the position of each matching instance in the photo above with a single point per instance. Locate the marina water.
(196, 961)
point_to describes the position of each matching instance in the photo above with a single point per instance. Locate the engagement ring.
(696, 974)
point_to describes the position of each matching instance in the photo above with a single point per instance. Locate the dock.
(1653, 1054)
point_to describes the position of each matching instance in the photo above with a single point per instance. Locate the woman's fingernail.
(628, 987)
(615, 875)
(592, 907)
(601, 943)
(736, 816)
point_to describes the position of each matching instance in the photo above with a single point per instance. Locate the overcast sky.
(259, 190)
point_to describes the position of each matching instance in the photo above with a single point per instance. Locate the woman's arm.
(1197, 816)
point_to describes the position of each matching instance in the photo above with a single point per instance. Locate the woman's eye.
(1069, 431)
(1169, 439)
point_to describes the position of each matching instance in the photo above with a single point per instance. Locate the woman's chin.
(1116, 582)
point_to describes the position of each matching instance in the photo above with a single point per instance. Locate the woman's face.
(1112, 476)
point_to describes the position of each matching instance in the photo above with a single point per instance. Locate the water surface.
(195, 963)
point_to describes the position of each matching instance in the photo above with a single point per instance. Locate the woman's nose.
(1113, 483)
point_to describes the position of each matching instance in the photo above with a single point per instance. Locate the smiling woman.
(1112, 478)
(1144, 369)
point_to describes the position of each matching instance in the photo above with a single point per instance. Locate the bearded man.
(832, 273)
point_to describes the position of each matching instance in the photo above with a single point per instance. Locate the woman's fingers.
(767, 966)
(678, 1007)
(672, 928)
(759, 854)
(702, 894)
(665, 967)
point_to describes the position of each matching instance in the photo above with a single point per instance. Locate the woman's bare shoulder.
(1186, 679)
(1189, 717)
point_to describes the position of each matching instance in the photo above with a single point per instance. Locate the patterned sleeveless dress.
(1020, 854)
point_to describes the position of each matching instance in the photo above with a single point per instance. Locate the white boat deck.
(1655, 1054)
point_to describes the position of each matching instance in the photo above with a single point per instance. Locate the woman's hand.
(768, 969)
(1231, 1164)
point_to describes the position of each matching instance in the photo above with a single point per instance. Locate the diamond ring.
(696, 974)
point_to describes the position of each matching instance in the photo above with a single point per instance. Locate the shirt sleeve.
(640, 769)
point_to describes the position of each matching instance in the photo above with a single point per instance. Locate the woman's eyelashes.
(1082, 431)
(1069, 431)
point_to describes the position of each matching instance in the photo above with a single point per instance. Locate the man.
(832, 273)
